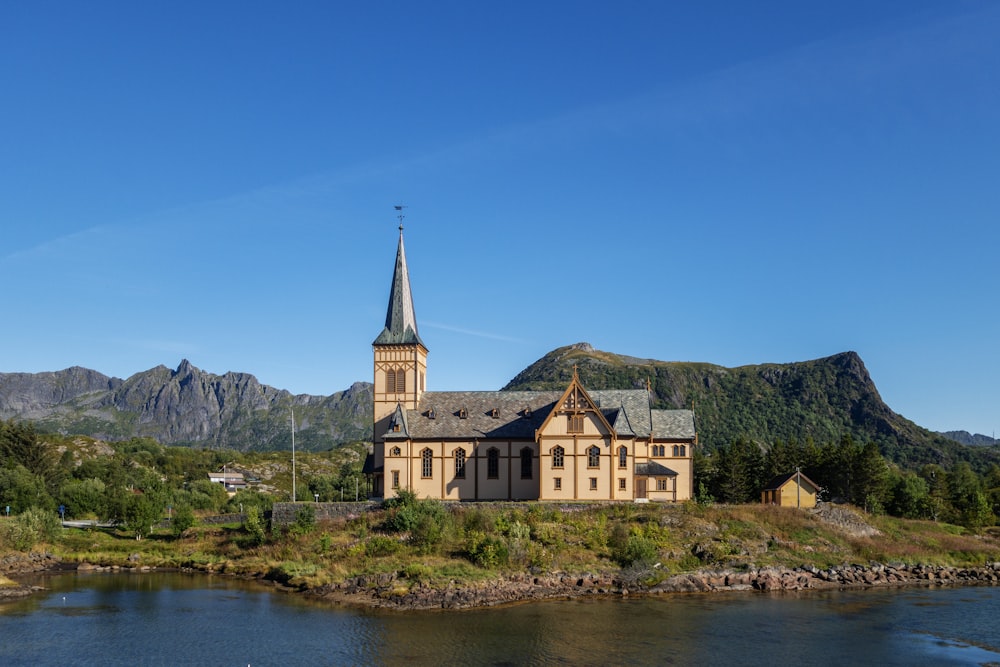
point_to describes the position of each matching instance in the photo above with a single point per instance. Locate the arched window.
(426, 463)
(460, 463)
(526, 465)
(622, 456)
(493, 463)
(400, 381)
(390, 381)
(594, 457)
(683, 451)
(557, 456)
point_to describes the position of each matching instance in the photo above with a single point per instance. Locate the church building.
(577, 444)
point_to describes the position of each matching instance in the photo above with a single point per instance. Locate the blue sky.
(728, 182)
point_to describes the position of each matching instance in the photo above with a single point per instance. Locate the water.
(178, 619)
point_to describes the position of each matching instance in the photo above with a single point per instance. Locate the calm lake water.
(178, 619)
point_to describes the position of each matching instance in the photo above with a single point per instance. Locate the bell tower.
(400, 357)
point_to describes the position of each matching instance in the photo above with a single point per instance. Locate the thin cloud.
(59, 245)
(472, 332)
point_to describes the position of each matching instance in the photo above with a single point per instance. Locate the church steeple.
(400, 317)
(400, 356)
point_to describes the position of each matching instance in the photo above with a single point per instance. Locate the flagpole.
(292, 411)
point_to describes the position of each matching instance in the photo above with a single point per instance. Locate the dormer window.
(430, 414)
(527, 412)
(395, 427)
(463, 413)
(495, 413)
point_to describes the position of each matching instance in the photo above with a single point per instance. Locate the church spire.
(400, 317)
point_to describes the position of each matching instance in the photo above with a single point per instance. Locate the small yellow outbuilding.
(791, 490)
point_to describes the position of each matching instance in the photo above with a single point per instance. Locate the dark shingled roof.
(653, 469)
(400, 317)
(520, 413)
(511, 409)
(673, 424)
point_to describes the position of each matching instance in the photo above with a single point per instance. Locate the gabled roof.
(521, 413)
(633, 402)
(575, 399)
(779, 481)
(399, 418)
(620, 422)
(400, 317)
(673, 424)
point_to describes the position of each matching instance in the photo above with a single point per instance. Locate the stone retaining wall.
(283, 514)
(222, 518)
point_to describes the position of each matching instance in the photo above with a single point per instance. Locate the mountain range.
(823, 399)
(186, 406)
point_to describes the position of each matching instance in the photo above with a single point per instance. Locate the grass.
(535, 538)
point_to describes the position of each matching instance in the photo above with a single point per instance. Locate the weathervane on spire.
(399, 208)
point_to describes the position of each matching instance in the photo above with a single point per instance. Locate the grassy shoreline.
(534, 551)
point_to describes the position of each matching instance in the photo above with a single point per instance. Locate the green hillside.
(822, 400)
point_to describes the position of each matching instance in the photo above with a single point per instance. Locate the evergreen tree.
(968, 499)
(20, 446)
(837, 467)
(909, 496)
(870, 485)
(938, 503)
(739, 472)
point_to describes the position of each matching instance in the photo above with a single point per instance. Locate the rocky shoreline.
(392, 592)
(387, 591)
(23, 564)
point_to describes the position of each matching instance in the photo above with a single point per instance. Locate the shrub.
(244, 498)
(207, 495)
(182, 520)
(305, 520)
(629, 548)
(30, 527)
(381, 545)
(424, 520)
(403, 498)
(485, 550)
(417, 572)
(478, 518)
(253, 526)
(428, 531)
(519, 531)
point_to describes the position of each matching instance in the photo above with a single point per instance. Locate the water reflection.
(172, 618)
